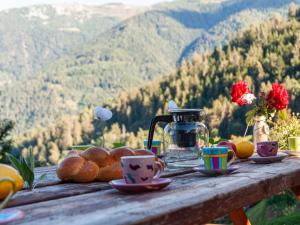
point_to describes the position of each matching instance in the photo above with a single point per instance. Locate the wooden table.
(190, 198)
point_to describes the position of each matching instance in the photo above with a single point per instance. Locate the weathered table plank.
(190, 199)
(55, 192)
(52, 179)
(45, 169)
(108, 199)
(52, 188)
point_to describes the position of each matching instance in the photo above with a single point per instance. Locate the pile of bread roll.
(96, 164)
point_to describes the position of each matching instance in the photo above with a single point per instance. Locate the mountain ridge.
(128, 54)
(262, 55)
(43, 25)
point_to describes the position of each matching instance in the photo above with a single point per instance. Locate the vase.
(261, 130)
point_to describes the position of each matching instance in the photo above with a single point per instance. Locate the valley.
(64, 70)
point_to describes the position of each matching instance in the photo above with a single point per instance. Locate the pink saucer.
(155, 185)
(9, 215)
(270, 159)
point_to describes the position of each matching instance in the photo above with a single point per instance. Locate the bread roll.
(114, 169)
(98, 155)
(95, 163)
(76, 168)
(142, 152)
(88, 172)
(73, 152)
(117, 153)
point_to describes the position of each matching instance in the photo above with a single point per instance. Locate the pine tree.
(6, 142)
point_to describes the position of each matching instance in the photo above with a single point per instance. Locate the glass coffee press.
(184, 136)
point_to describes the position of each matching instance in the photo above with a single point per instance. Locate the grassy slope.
(286, 220)
(257, 214)
(284, 211)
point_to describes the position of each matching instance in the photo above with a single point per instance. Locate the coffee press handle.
(154, 121)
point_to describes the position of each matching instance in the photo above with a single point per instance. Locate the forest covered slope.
(261, 55)
(62, 60)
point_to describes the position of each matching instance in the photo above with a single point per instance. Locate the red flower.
(238, 91)
(278, 97)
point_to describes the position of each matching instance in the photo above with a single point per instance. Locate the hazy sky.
(6, 4)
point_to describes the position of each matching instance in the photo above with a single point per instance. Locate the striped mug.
(215, 158)
(155, 148)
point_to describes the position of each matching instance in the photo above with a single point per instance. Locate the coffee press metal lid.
(186, 115)
(185, 110)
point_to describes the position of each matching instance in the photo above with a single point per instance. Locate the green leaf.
(211, 141)
(282, 114)
(31, 159)
(24, 169)
(222, 139)
(251, 112)
(250, 116)
(29, 174)
(249, 120)
(14, 162)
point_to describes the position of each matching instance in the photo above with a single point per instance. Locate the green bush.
(280, 209)
(283, 129)
(286, 220)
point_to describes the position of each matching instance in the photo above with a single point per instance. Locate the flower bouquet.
(265, 106)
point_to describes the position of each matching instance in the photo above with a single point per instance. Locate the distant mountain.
(122, 55)
(261, 55)
(33, 37)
